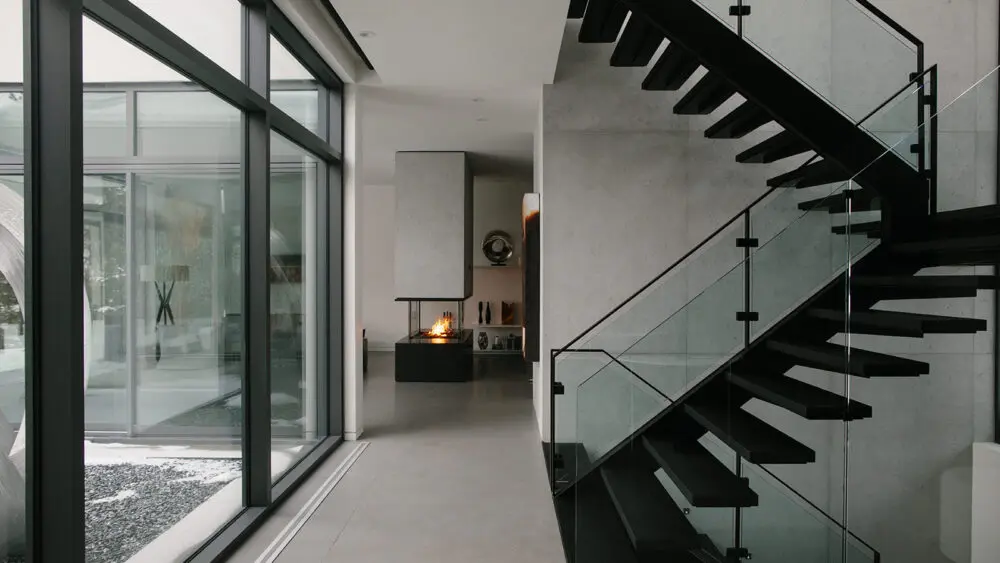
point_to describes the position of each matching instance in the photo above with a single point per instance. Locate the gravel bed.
(129, 505)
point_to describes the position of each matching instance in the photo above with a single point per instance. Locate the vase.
(480, 312)
(483, 340)
(489, 315)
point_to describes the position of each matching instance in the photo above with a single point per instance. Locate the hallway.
(451, 473)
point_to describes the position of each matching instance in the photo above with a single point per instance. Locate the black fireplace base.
(435, 360)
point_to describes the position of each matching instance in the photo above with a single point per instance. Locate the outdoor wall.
(628, 187)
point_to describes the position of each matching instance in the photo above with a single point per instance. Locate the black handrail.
(893, 24)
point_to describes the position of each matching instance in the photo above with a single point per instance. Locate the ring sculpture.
(12, 445)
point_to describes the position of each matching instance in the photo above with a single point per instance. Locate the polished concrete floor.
(453, 473)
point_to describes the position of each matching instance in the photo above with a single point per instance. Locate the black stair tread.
(576, 9)
(602, 21)
(638, 43)
(783, 145)
(856, 228)
(750, 437)
(815, 174)
(701, 477)
(591, 529)
(654, 523)
(861, 200)
(956, 251)
(739, 122)
(706, 96)
(808, 401)
(911, 324)
(984, 243)
(923, 287)
(860, 363)
(674, 67)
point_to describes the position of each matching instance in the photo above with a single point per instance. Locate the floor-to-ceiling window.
(170, 259)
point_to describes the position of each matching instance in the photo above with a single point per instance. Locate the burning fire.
(441, 328)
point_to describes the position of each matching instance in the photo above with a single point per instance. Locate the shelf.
(493, 326)
(504, 267)
(497, 352)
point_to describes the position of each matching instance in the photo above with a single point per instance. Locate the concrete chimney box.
(433, 226)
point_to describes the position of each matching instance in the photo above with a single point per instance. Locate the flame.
(440, 328)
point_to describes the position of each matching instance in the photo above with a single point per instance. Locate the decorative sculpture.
(12, 465)
(498, 247)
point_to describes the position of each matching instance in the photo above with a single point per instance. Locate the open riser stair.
(617, 506)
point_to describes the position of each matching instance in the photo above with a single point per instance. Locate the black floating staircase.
(615, 508)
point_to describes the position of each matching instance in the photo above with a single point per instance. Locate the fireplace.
(437, 346)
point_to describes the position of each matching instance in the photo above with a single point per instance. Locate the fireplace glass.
(433, 320)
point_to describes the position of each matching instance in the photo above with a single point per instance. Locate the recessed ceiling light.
(367, 34)
(481, 119)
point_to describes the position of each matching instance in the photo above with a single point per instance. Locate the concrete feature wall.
(433, 225)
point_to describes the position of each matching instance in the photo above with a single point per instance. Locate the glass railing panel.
(610, 405)
(966, 155)
(572, 369)
(836, 47)
(798, 261)
(786, 527)
(898, 118)
(693, 341)
(669, 294)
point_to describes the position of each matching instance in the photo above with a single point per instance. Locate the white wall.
(385, 319)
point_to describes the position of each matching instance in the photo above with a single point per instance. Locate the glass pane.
(836, 48)
(297, 408)
(669, 294)
(163, 278)
(214, 28)
(104, 128)
(12, 123)
(809, 246)
(293, 89)
(785, 527)
(694, 341)
(13, 430)
(105, 263)
(193, 124)
(611, 405)
(896, 121)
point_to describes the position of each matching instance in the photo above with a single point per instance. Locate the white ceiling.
(433, 58)
(497, 131)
